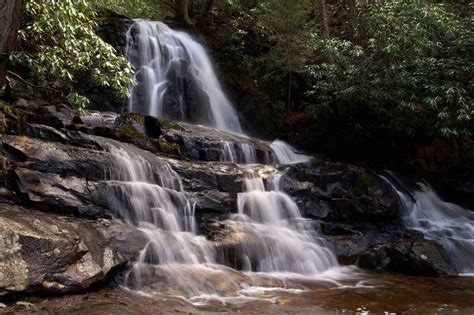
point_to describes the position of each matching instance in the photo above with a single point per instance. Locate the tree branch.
(17, 76)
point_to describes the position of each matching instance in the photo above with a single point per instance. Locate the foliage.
(412, 65)
(60, 44)
(149, 9)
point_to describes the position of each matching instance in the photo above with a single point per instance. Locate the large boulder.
(387, 248)
(341, 192)
(50, 253)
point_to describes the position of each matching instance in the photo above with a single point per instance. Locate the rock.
(387, 248)
(67, 166)
(214, 203)
(57, 116)
(152, 127)
(96, 119)
(54, 193)
(50, 253)
(207, 144)
(45, 132)
(24, 304)
(22, 103)
(341, 192)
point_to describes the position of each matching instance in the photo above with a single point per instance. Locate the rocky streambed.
(59, 233)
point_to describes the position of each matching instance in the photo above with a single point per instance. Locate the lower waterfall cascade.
(273, 238)
(448, 224)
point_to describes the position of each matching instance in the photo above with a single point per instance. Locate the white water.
(446, 223)
(175, 259)
(176, 80)
(281, 240)
(151, 198)
(272, 237)
(168, 63)
(286, 154)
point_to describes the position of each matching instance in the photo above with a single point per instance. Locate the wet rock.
(215, 202)
(96, 119)
(57, 116)
(202, 143)
(49, 253)
(340, 192)
(45, 132)
(387, 248)
(152, 127)
(130, 127)
(54, 193)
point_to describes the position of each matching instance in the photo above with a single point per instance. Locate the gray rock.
(51, 253)
(341, 192)
(387, 248)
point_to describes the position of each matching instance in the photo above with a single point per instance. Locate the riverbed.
(368, 293)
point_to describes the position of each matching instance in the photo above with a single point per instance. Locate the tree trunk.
(207, 11)
(11, 13)
(354, 18)
(324, 20)
(290, 84)
(182, 12)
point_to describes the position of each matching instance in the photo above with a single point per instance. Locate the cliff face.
(60, 233)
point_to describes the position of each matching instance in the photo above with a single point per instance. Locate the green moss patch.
(362, 184)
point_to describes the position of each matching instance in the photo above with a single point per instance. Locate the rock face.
(341, 193)
(52, 253)
(57, 230)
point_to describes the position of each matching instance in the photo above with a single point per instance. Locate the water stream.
(448, 224)
(176, 80)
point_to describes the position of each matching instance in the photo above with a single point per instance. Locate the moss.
(362, 184)
(137, 117)
(317, 162)
(169, 148)
(130, 131)
(170, 124)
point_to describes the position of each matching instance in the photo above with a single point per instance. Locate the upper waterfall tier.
(175, 78)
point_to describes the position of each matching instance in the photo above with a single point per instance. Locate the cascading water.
(286, 241)
(448, 224)
(175, 78)
(286, 154)
(151, 198)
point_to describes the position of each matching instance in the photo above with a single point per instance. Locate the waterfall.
(286, 154)
(286, 241)
(448, 224)
(151, 198)
(176, 78)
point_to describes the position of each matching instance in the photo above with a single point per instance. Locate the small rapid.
(286, 241)
(448, 224)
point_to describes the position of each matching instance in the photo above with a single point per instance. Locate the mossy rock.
(362, 185)
(170, 124)
(136, 117)
(129, 131)
(317, 162)
(169, 148)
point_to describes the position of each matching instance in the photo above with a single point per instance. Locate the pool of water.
(365, 293)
